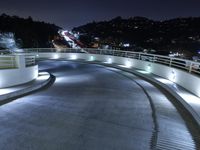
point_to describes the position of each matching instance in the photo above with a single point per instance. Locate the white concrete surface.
(92, 107)
(12, 77)
(7, 93)
(180, 77)
(19, 75)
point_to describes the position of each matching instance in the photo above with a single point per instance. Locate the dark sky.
(72, 13)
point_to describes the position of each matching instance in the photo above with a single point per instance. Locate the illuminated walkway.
(91, 107)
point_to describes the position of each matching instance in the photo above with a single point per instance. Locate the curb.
(6, 98)
(184, 104)
(193, 114)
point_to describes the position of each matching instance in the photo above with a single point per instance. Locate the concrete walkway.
(170, 133)
(91, 107)
(190, 101)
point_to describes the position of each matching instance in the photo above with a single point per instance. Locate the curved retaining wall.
(5, 98)
(12, 77)
(184, 79)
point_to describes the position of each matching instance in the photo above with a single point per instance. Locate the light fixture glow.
(128, 64)
(149, 67)
(91, 58)
(165, 81)
(142, 71)
(173, 76)
(73, 57)
(56, 56)
(190, 98)
(109, 60)
(42, 73)
(7, 90)
(43, 76)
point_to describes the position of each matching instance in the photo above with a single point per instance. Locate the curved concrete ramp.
(91, 107)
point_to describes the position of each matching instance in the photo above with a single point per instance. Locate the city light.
(126, 45)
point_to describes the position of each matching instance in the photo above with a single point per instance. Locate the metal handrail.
(183, 64)
(11, 61)
(7, 62)
(29, 60)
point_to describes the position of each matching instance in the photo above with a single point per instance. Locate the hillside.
(27, 32)
(170, 35)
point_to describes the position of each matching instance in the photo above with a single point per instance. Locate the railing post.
(20, 60)
(190, 69)
(170, 62)
(154, 58)
(139, 57)
(126, 54)
(13, 63)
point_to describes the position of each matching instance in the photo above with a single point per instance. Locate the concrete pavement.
(91, 107)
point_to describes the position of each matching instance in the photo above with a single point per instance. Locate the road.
(91, 107)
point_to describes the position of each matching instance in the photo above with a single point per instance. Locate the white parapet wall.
(189, 81)
(19, 73)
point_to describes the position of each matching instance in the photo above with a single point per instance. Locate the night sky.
(69, 14)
